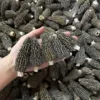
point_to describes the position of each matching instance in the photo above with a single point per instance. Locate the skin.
(7, 70)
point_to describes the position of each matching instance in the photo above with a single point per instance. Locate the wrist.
(7, 71)
(11, 64)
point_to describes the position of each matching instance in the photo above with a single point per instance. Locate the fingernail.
(42, 27)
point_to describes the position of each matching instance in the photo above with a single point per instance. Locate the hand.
(7, 70)
(15, 50)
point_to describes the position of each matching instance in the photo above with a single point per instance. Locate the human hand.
(15, 50)
(7, 69)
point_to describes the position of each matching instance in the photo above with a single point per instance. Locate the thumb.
(36, 32)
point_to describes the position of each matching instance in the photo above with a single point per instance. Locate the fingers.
(35, 32)
(31, 34)
(44, 65)
(35, 69)
(38, 32)
(75, 37)
(19, 44)
(68, 33)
